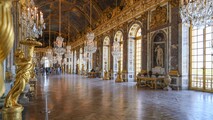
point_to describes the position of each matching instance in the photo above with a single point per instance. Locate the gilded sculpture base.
(119, 78)
(14, 113)
(106, 75)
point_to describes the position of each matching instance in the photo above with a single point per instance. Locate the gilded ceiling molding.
(125, 15)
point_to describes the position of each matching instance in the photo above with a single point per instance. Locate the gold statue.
(6, 36)
(23, 73)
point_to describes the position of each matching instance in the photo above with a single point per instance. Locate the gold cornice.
(124, 16)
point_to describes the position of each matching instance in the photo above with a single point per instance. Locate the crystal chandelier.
(198, 12)
(90, 44)
(116, 53)
(58, 48)
(32, 20)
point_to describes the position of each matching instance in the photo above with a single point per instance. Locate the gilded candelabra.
(24, 72)
(119, 78)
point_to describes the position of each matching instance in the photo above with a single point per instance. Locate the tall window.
(106, 54)
(121, 43)
(134, 51)
(138, 51)
(80, 59)
(74, 62)
(201, 59)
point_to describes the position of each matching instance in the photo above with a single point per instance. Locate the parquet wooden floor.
(72, 97)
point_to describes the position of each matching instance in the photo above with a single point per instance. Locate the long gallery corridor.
(73, 97)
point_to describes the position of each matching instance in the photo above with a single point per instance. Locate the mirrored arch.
(106, 54)
(119, 37)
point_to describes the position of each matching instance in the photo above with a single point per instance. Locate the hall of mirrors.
(154, 44)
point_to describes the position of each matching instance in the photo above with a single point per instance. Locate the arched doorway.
(134, 51)
(106, 55)
(119, 37)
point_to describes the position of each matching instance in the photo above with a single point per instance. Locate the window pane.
(208, 58)
(209, 29)
(200, 58)
(194, 71)
(209, 36)
(200, 65)
(208, 44)
(200, 51)
(194, 65)
(194, 33)
(208, 51)
(208, 64)
(200, 72)
(200, 38)
(200, 45)
(208, 72)
(200, 31)
(194, 58)
(194, 39)
(194, 46)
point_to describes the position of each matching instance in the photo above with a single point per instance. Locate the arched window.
(80, 59)
(134, 51)
(138, 51)
(74, 61)
(201, 76)
(72, 58)
(119, 37)
(106, 54)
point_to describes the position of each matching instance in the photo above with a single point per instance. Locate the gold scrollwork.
(158, 17)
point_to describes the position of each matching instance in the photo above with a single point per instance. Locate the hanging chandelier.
(90, 46)
(198, 12)
(58, 47)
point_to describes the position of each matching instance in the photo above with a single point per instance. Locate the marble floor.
(72, 97)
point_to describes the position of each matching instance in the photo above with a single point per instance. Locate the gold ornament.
(23, 73)
(6, 36)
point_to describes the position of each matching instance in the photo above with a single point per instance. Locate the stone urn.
(167, 81)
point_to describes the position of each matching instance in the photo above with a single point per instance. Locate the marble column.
(183, 60)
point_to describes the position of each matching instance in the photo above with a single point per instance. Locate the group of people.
(48, 70)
